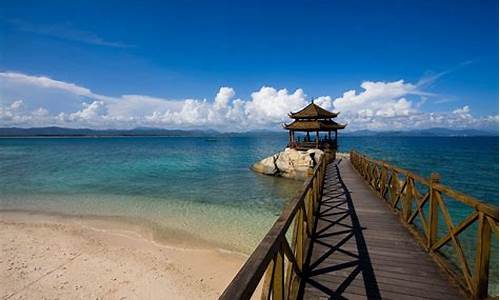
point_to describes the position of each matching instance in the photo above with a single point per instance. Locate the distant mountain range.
(59, 131)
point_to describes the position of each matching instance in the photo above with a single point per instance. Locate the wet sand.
(59, 257)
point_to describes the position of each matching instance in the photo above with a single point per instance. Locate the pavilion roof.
(313, 111)
(314, 125)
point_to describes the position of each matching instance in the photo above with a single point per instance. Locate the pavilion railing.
(463, 249)
(277, 263)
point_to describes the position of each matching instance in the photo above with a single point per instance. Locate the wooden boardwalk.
(360, 249)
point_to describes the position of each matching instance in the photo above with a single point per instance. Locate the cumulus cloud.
(15, 113)
(223, 96)
(271, 105)
(384, 99)
(378, 105)
(462, 110)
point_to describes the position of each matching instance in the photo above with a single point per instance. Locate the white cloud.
(45, 82)
(462, 111)
(379, 105)
(269, 105)
(325, 102)
(223, 96)
(16, 114)
(92, 111)
(384, 99)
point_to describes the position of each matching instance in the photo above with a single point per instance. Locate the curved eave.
(297, 115)
(313, 126)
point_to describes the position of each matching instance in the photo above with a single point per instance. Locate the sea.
(202, 187)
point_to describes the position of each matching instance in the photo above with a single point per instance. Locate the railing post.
(394, 187)
(433, 211)
(482, 258)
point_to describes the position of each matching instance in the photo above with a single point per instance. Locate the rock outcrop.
(289, 163)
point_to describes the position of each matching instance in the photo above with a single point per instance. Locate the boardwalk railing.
(462, 248)
(277, 262)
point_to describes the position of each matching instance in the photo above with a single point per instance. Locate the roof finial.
(312, 100)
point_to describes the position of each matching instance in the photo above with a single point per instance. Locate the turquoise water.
(191, 185)
(204, 188)
(468, 164)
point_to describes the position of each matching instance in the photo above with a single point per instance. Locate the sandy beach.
(60, 257)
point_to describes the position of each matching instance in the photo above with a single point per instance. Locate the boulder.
(266, 166)
(289, 163)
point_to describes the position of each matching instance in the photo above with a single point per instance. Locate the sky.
(243, 65)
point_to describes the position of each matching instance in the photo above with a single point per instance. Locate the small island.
(304, 151)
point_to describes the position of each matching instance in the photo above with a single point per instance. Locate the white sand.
(55, 257)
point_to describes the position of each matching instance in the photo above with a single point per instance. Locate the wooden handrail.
(275, 262)
(397, 187)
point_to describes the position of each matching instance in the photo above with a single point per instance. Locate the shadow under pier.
(339, 264)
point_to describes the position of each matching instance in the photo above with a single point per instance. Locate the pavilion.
(313, 119)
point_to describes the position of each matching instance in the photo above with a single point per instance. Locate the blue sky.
(445, 53)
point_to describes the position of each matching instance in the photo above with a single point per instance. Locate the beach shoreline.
(56, 256)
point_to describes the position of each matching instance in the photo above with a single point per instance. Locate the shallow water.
(201, 187)
(192, 185)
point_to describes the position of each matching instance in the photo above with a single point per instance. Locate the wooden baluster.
(294, 280)
(383, 181)
(394, 187)
(278, 279)
(373, 175)
(433, 211)
(483, 247)
(299, 254)
(290, 274)
(407, 200)
(309, 214)
(266, 285)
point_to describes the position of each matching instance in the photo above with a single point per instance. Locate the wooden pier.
(363, 229)
(361, 251)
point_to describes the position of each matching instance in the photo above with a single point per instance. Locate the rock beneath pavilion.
(289, 163)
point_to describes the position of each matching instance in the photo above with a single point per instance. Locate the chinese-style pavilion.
(313, 119)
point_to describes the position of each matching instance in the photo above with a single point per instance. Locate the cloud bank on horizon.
(35, 101)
